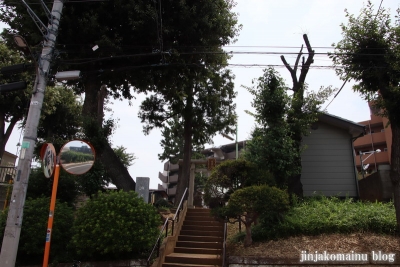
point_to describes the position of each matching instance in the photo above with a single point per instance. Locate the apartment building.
(169, 176)
(378, 136)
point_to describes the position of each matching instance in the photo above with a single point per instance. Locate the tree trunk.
(5, 134)
(93, 110)
(395, 150)
(294, 182)
(183, 181)
(120, 176)
(248, 240)
(395, 170)
(295, 187)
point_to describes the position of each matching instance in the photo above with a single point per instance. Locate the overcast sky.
(268, 26)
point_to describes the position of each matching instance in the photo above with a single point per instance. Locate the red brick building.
(378, 136)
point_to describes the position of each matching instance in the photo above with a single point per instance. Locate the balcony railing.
(369, 139)
(7, 173)
(380, 158)
(374, 121)
(170, 166)
(172, 191)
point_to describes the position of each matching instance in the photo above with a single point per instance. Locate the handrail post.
(158, 247)
(165, 227)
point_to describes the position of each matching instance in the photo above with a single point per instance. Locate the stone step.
(200, 238)
(192, 250)
(199, 244)
(205, 259)
(198, 211)
(203, 227)
(199, 218)
(201, 233)
(201, 223)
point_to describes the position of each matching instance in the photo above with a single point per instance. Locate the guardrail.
(165, 228)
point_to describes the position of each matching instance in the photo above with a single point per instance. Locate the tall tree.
(206, 108)
(173, 146)
(61, 116)
(195, 86)
(173, 141)
(281, 118)
(271, 146)
(136, 41)
(369, 54)
(13, 105)
(296, 128)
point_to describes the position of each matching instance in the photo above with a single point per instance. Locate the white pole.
(12, 231)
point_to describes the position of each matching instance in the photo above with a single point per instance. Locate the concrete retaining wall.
(377, 186)
(235, 261)
(125, 263)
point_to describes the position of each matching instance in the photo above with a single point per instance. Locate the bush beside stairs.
(199, 242)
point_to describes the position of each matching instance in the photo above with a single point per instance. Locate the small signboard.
(142, 187)
(48, 156)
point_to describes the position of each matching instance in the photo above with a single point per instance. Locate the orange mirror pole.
(51, 215)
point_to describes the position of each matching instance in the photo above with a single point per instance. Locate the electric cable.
(336, 94)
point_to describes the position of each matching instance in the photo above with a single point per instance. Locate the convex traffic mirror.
(76, 157)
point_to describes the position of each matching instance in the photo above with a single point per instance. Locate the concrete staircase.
(199, 243)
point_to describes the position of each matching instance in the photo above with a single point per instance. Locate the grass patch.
(322, 215)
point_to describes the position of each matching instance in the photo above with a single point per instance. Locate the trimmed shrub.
(115, 225)
(250, 203)
(34, 227)
(226, 178)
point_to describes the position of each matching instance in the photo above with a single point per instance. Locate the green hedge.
(74, 156)
(330, 215)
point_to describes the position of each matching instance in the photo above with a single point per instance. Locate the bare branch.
(307, 43)
(306, 65)
(292, 72)
(298, 59)
(167, 117)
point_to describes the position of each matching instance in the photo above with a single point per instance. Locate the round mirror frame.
(79, 160)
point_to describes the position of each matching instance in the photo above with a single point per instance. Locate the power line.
(336, 94)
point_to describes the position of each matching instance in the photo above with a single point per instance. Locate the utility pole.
(12, 231)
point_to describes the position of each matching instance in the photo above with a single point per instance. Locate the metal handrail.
(178, 211)
(165, 226)
(224, 244)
